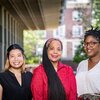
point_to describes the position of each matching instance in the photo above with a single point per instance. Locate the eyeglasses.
(91, 44)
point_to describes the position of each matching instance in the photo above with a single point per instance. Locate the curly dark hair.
(95, 32)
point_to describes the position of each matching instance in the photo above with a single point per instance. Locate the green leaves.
(79, 54)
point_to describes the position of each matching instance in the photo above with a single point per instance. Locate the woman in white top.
(88, 71)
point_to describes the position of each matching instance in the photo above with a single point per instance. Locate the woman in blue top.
(14, 81)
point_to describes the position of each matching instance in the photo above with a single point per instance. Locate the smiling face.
(54, 51)
(16, 59)
(91, 46)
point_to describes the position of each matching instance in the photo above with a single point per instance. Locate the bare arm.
(1, 90)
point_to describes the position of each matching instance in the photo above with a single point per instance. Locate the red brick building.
(76, 16)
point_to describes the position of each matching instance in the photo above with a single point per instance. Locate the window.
(76, 15)
(77, 30)
(60, 32)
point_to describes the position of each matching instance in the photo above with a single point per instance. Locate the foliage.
(33, 60)
(31, 41)
(96, 12)
(79, 54)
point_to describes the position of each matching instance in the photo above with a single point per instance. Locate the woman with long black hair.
(53, 80)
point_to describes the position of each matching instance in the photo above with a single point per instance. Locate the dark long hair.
(55, 88)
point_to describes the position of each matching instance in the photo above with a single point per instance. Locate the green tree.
(96, 12)
(79, 54)
(31, 40)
